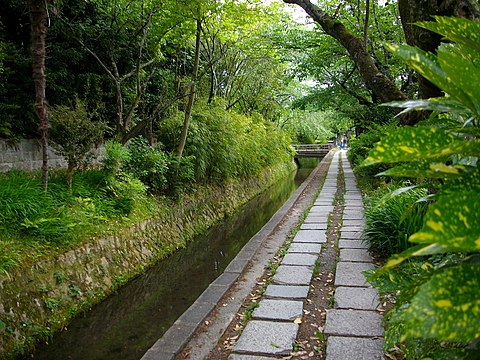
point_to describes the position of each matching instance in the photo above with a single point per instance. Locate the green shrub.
(390, 220)
(360, 146)
(148, 164)
(180, 174)
(73, 134)
(122, 187)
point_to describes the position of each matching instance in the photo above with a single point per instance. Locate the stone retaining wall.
(42, 297)
(27, 155)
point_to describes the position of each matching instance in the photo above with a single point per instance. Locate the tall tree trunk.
(383, 87)
(412, 11)
(191, 97)
(38, 32)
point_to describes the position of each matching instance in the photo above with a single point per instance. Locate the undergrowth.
(390, 220)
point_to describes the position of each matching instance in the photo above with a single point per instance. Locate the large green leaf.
(442, 104)
(447, 307)
(470, 181)
(420, 144)
(426, 64)
(426, 170)
(452, 222)
(459, 30)
(463, 72)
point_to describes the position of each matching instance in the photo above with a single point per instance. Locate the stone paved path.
(354, 326)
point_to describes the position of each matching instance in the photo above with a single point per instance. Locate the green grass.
(33, 222)
(390, 220)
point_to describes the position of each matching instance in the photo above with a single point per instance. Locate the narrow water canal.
(127, 324)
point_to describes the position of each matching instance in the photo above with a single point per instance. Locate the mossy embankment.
(40, 297)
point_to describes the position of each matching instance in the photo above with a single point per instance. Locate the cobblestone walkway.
(354, 326)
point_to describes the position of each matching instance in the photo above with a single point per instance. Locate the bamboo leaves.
(420, 144)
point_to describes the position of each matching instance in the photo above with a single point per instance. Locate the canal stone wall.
(26, 155)
(43, 296)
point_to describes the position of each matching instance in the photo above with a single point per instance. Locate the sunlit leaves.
(420, 144)
(447, 307)
(453, 223)
(426, 170)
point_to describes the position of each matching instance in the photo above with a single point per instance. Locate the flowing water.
(127, 323)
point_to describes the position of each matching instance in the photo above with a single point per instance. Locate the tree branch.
(374, 79)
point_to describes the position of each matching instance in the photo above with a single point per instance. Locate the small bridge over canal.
(312, 150)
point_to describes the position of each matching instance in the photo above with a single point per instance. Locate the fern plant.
(442, 302)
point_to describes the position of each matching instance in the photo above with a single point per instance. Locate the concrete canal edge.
(40, 298)
(240, 275)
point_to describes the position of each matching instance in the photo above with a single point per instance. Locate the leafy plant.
(74, 134)
(390, 220)
(148, 164)
(443, 303)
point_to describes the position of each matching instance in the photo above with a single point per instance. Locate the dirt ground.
(310, 342)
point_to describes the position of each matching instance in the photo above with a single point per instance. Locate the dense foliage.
(437, 314)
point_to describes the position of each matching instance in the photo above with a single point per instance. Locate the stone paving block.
(271, 309)
(287, 291)
(350, 229)
(308, 248)
(267, 338)
(350, 274)
(352, 348)
(352, 244)
(310, 236)
(353, 201)
(324, 209)
(299, 259)
(330, 187)
(355, 223)
(325, 199)
(353, 235)
(355, 255)
(351, 188)
(247, 357)
(353, 215)
(353, 204)
(316, 219)
(314, 226)
(351, 195)
(293, 275)
(356, 298)
(354, 323)
(326, 196)
(323, 202)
